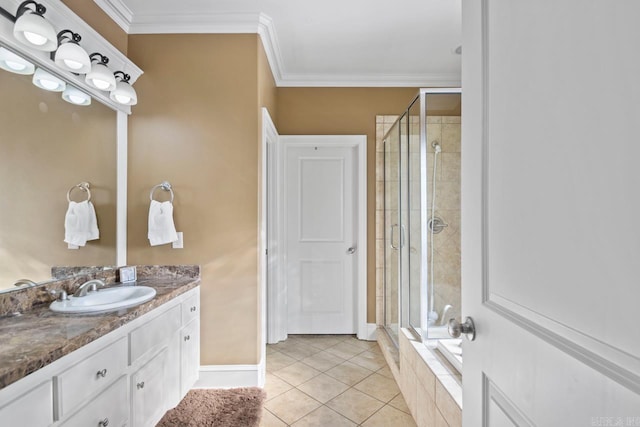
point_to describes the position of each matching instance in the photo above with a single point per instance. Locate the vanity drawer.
(90, 375)
(111, 407)
(34, 408)
(191, 308)
(155, 332)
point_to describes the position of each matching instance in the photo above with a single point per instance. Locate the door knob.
(351, 250)
(468, 328)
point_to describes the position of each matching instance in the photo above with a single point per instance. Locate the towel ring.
(163, 185)
(84, 186)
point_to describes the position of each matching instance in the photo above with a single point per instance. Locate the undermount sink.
(103, 300)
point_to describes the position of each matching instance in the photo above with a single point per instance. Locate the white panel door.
(320, 214)
(550, 212)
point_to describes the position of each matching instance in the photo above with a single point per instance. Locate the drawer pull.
(102, 373)
(140, 385)
(192, 309)
(104, 423)
(187, 338)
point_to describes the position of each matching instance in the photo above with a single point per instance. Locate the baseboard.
(230, 376)
(372, 332)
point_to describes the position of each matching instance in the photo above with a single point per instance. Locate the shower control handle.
(468, 328)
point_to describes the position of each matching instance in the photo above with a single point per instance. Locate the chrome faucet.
(27, 282)
(90, 286)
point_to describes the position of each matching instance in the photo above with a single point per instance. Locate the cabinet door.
(190, 340)
(148, 393)
(34, 408)
(109, 408)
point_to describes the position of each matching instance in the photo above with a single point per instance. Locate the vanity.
(123, 368)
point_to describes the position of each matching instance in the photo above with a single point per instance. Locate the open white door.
(551, 212)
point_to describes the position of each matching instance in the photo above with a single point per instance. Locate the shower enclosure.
(421, 268)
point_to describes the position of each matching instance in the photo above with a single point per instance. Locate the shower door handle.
(392, 235)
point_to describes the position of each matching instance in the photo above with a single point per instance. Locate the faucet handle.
(60, 295)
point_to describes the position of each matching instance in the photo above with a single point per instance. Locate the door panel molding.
(493, 395)
(599, 355)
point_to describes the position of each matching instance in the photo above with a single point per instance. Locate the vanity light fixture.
(14, 63)
(75, 96)
(100, 77)
(70, 55)
(124, 93)
(31, 28)
(47, 81)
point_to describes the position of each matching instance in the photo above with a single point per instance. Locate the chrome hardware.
(104, 423)
(60, 295)
(102, 373)
(351, 250)
(392, 236)
(164, 185)
(140, 385)
(436, 225)
(187, 338)
(91, 285)
(467, 328)
(29, 283)
(192, 309)
(402, 229)
(84, 186)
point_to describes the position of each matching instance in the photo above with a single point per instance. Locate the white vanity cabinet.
(127, 378)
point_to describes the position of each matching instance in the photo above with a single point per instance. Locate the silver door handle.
(351, 250)
(392, 235)
(468, 328)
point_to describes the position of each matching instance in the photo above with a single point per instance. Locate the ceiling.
(322, 43)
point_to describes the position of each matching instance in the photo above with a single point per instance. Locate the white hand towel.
(80, 223)
(161, 227)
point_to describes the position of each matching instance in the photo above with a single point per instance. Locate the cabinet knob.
(102, 373)
(104, 423)
(187, 338)
(140, 385)
(193, 308)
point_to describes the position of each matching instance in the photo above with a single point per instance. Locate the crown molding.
(261, 24)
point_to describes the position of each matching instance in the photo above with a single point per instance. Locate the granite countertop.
(37, 337)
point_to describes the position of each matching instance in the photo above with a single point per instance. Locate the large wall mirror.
(47, 146)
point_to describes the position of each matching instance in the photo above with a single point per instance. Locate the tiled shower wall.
(446, 130)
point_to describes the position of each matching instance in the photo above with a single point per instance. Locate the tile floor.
(331, 381)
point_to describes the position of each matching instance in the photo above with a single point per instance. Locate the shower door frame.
(404, 300)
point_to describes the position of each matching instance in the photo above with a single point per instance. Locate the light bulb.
(16, 66)
(122, 99)
(75, 65)
(100, 84)
(49, 84)
(76, 99)
(34, 38)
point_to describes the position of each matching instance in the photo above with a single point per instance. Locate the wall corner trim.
(229, 376)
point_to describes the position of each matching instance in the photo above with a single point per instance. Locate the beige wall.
(196, 125)
(93, 15)
(347, 111)
(46, 146)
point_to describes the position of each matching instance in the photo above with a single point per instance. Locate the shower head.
(436, 146)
